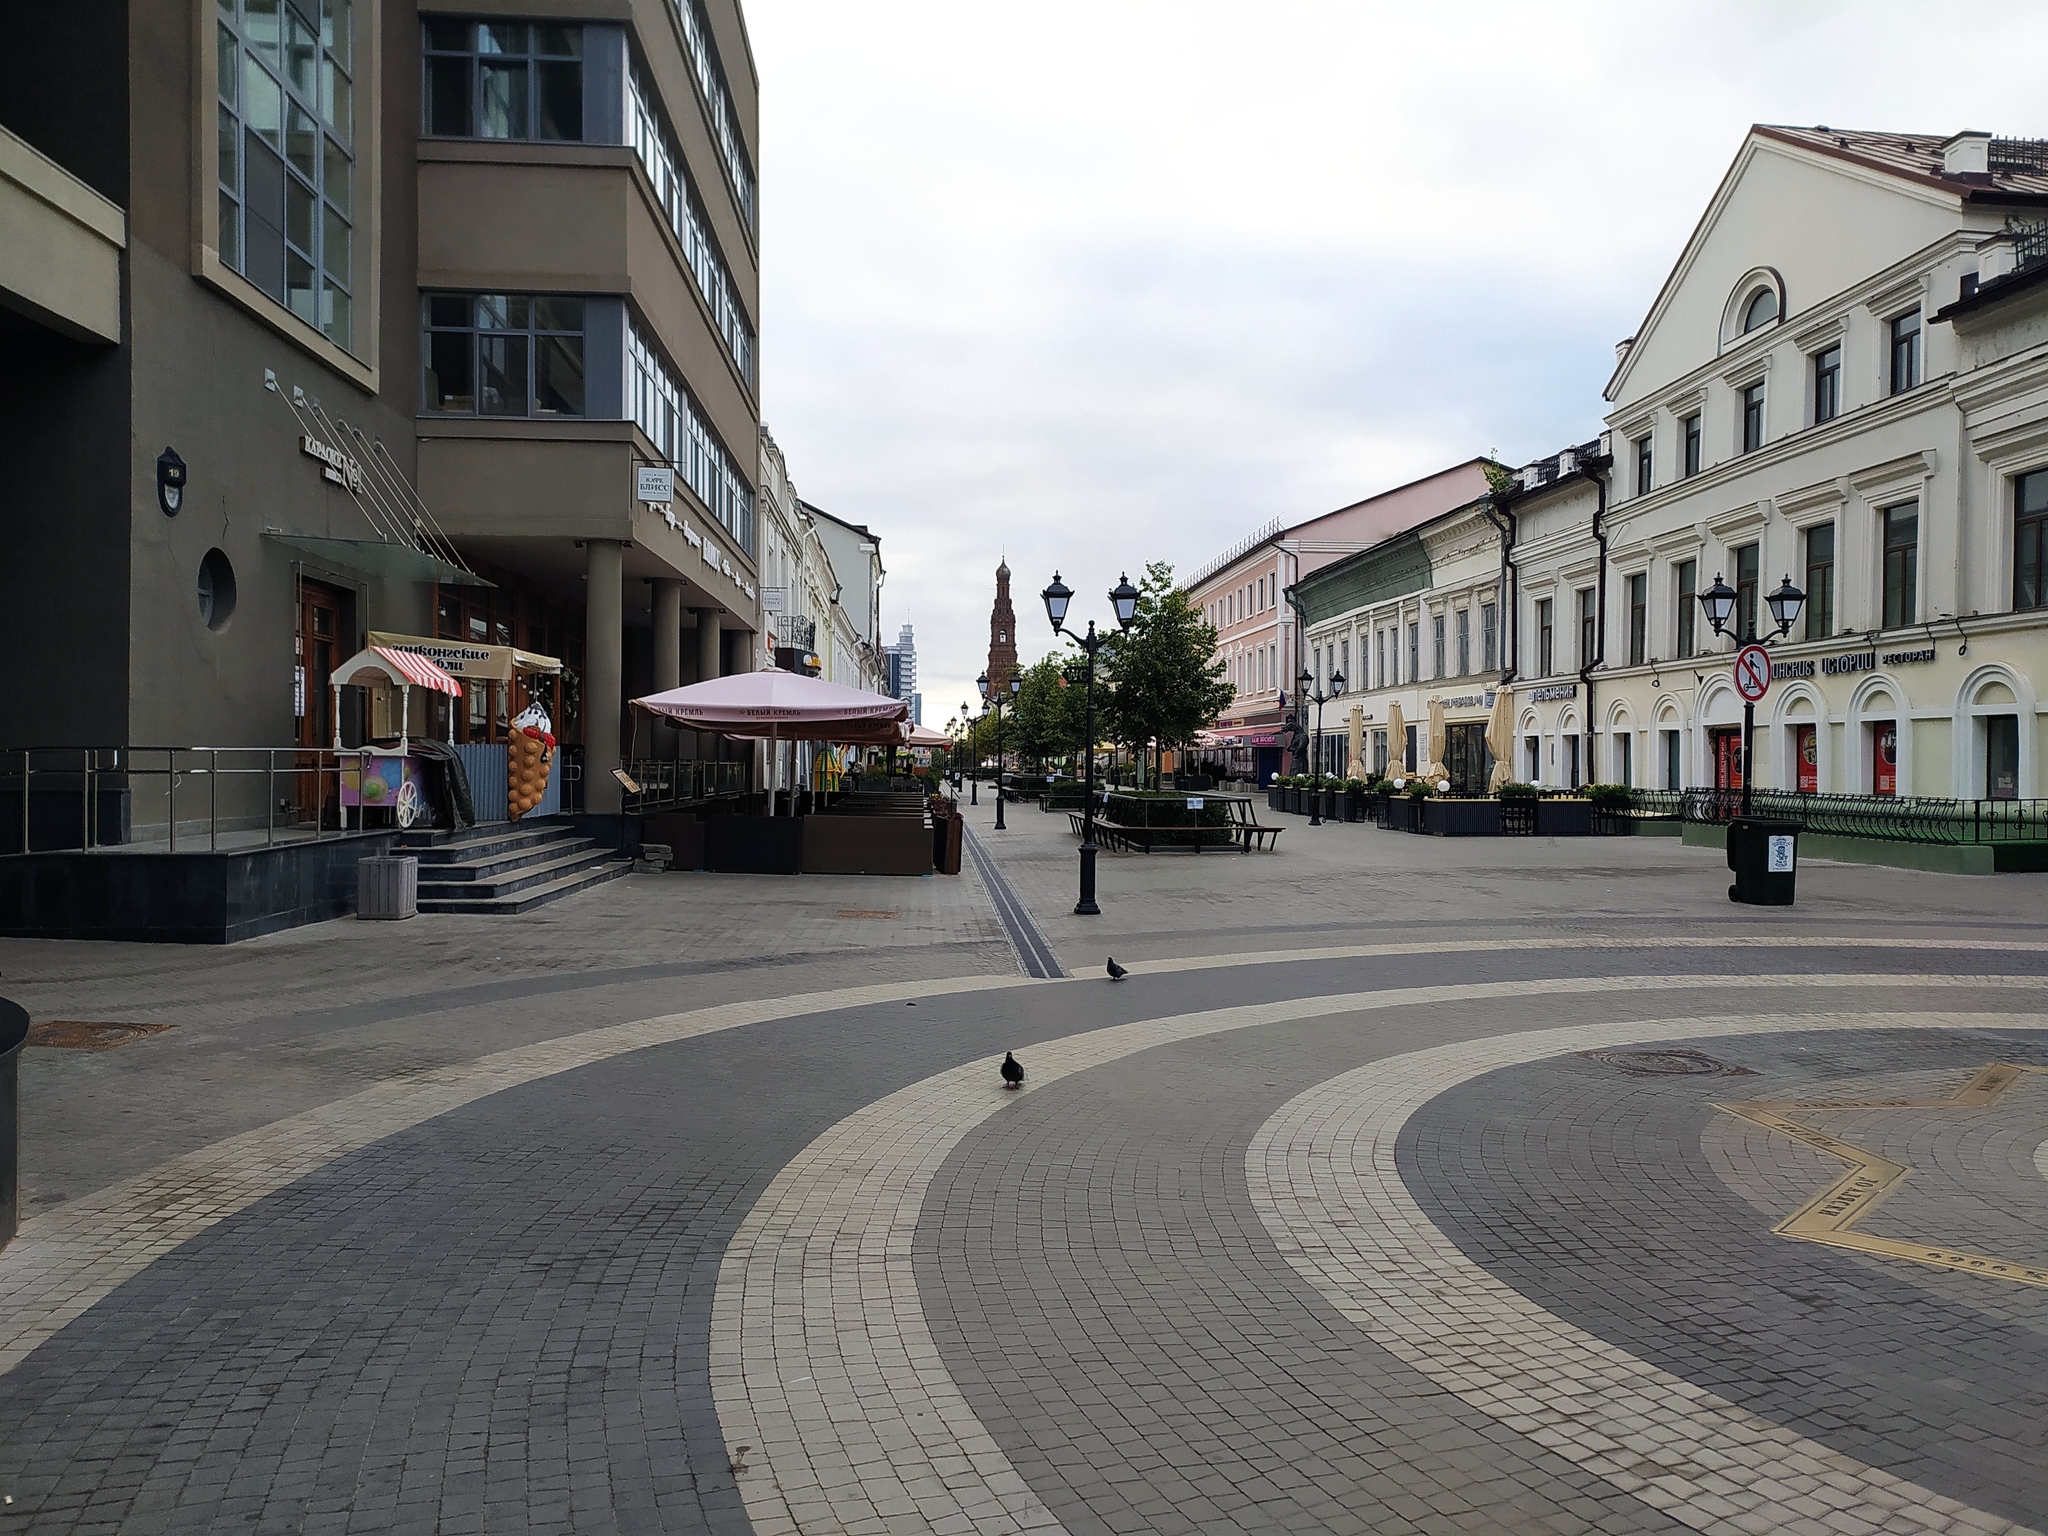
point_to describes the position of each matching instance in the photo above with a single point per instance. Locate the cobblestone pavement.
(1396, 1190)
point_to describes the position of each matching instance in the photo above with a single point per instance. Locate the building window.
(284, 154)
(1752, 418)
(1414, 651)
(1344, 661)
(648, 132)
(1532, 749)
(682, 435)
(1827, 384)
(1906, 352)
(702, 54)
(1489, 636)
(1545, 637)
(1688, 608)
(504, 80)
(1436, 643)
(1761, 310)
(1747, 563)
(1380, 658)
(1690, 430)
(501, 354)
(1589, 626)
(1901, 564)
(1638, 618)
(1624, 759)
(1674, 775)
(1820, 581)
(1464, 641)
(2030, 540)
(1645, 466)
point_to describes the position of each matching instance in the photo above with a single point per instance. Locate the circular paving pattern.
(1389, 1238)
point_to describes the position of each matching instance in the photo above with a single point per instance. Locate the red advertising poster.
(1727, 759)
(1884, 757)
(1807, 753)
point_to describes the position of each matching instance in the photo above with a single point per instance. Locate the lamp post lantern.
(995, 697)
(1311, 690)
(1785, 605)
(973, 781)
(1123, 598)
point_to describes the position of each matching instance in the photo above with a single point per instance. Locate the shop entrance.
(317, 650)
(1727, 747)
(1470, 765)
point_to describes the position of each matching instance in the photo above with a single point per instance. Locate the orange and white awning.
(404, 669)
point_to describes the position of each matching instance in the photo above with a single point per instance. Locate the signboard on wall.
(1806, 759)
(1884, 757)
(655, 485)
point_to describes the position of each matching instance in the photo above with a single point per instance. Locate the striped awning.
(408, 669)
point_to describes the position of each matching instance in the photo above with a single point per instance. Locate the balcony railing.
(797, 631)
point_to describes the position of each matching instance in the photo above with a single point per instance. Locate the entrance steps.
(508, 867)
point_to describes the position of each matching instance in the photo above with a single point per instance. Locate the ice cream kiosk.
(387, 778)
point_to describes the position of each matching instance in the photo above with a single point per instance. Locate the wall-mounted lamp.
(170, 481)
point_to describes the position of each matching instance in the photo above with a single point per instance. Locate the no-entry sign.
(1752, 672)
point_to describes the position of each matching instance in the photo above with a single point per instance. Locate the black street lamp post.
(996, 698)
(1310, 690)
(973, 779)
(1124, 598)
(1719, 603)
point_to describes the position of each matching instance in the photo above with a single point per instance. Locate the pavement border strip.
(1035, 956)
(1323, 1177)
(822, 1363)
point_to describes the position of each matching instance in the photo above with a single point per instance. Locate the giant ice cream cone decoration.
(529, 760)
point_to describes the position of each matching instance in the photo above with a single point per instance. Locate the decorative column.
(668, 655)
(709, 747)
(603, 673)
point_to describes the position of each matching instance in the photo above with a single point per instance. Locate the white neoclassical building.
(1843, 383)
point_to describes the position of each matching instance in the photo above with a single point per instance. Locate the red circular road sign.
(1752, 672)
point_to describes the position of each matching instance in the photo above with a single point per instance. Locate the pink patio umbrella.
(776, 706)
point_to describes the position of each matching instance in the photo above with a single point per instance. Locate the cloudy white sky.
(1097, 282)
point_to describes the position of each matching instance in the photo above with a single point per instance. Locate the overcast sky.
(1097, 282)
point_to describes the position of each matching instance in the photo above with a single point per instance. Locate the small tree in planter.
(1611, 804)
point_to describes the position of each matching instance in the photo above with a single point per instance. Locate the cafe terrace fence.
(1885, 818)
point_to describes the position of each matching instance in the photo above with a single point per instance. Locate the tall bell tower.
(1002, 634)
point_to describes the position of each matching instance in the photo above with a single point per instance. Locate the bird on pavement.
(1013, 1071)
(1116, 972)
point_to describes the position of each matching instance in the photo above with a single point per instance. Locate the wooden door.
(317, 645)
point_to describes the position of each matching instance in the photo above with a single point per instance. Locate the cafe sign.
(1850, 663)
(1553, 693)
(341, 468)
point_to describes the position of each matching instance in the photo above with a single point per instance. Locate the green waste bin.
(1765, 858)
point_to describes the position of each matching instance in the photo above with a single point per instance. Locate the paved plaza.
(1405, 1185)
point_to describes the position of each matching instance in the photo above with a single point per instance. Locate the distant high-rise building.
(1002, 634)
(899, 661)
(917, 709)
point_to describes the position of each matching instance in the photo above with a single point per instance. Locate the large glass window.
(283, 156)
(1906, 351)
(1901, 564)
(649, 135)
(1645, 465)
(2030, 540)
(1748, 562)
(1688, 577)
(1546, 631)
(504, 80)
(1489, 636)
(1820, 581)
(679, 430)
(503, 354)
(1752, 418)
(1689, 429)
(1827, 385)
(1638, 618)
(704, 64)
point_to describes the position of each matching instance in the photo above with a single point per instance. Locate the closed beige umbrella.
(1500, 741)
(1358, 741)
(1435, 770)
(1397, 742)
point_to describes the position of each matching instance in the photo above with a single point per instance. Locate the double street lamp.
(1719, 602)
(996, 698)
(1123, 597)
(973, 781)
(1311, 691)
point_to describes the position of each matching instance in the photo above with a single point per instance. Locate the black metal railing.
(2029, 243)
(681, 781)
(1887, 818)
(2023, 155)
(797, 631)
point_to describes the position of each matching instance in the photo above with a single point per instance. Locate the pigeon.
(1116, 972)
(1013, 1071)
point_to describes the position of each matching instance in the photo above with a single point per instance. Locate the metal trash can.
(13, 1036)
(388, 887)
(1765, 858)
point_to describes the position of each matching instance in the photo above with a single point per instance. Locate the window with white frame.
(679, 431)
(284, 154)
(702, 54)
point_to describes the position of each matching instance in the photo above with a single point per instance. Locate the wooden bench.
(1249, 832)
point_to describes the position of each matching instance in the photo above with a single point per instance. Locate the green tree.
(1165, 678)
(1044, 719)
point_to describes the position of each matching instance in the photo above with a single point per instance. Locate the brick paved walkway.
(696, 1206)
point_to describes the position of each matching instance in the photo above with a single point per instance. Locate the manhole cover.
(1672, 1063)
(857, 912)
(78, 1035)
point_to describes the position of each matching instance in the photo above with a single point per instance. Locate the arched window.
(1762, 310)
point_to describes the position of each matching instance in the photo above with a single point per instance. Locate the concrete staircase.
(508, 867)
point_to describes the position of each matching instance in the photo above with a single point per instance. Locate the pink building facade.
(1244, 594)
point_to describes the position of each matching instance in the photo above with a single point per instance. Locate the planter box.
(754, 845)
(1564, 818)
(1461, 818)
(681, 832)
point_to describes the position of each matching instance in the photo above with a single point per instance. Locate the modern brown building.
(338, 316)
